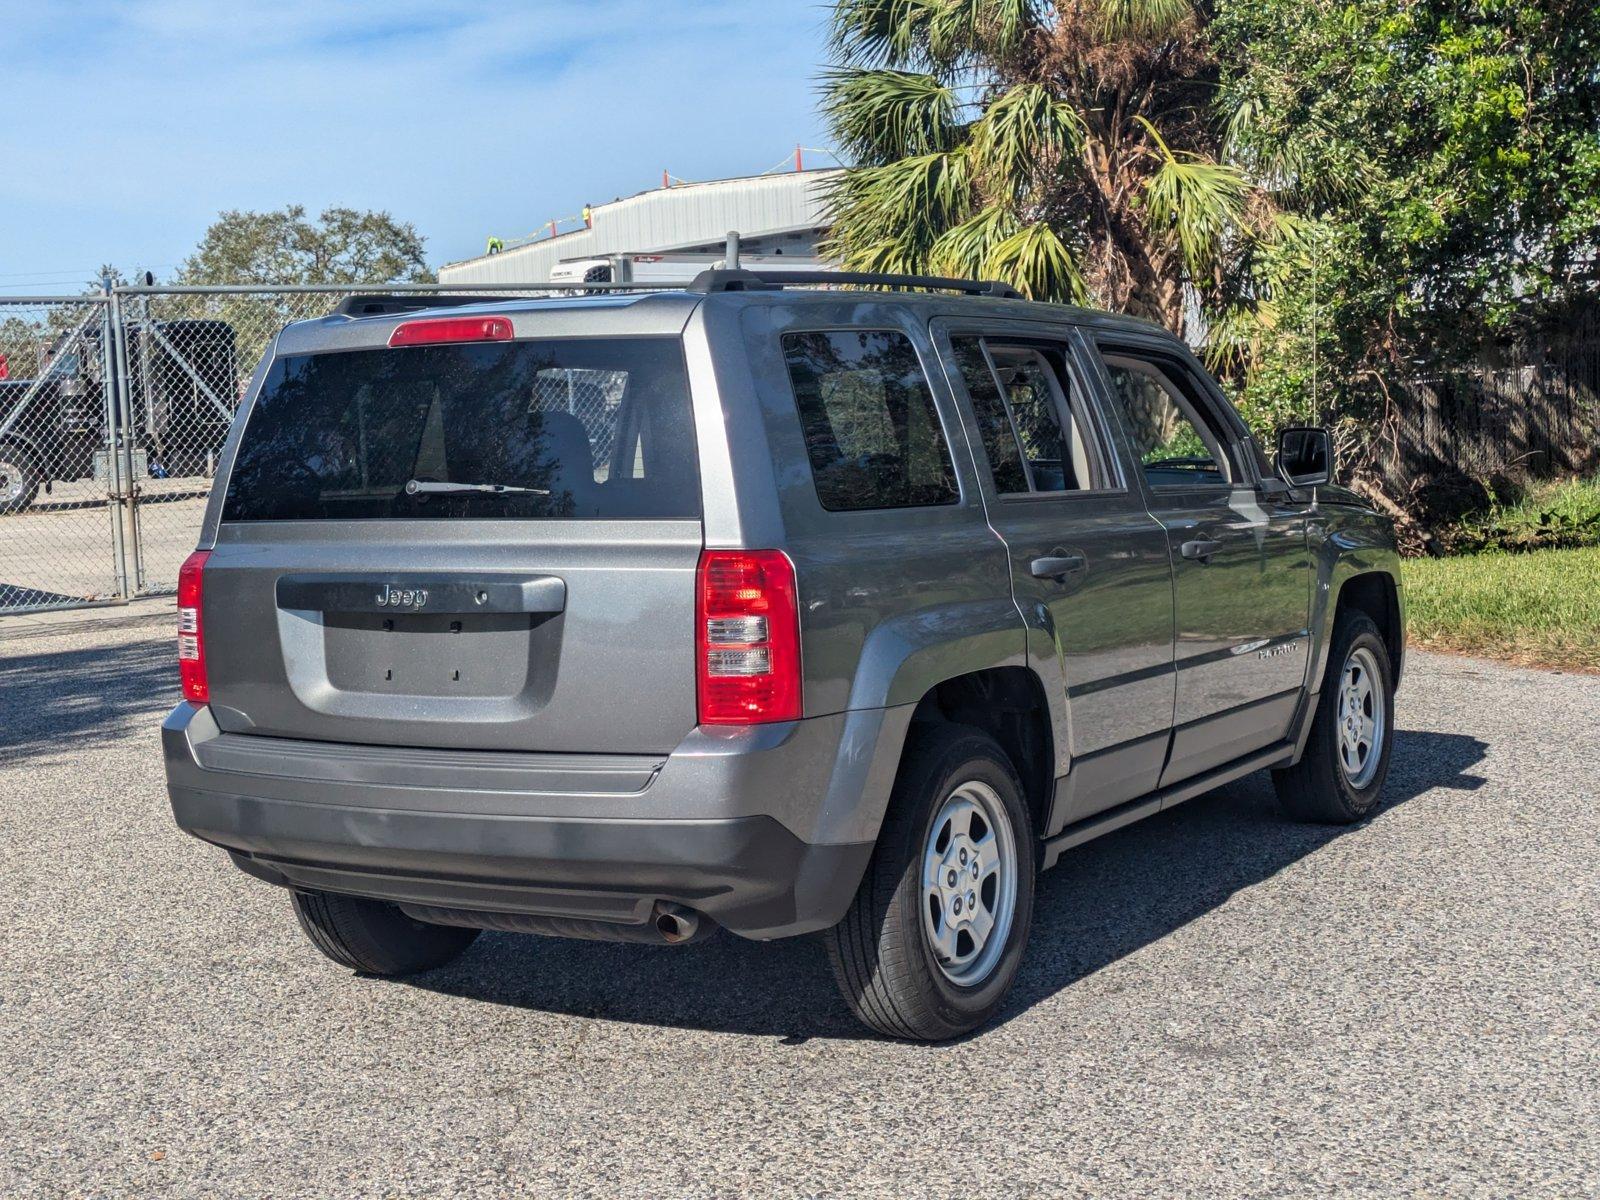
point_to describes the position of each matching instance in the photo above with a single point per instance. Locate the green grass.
(1551, 516)
(1542, 607)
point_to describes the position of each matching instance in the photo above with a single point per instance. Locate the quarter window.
(871, 432)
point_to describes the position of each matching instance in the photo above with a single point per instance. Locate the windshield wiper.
(434, 487)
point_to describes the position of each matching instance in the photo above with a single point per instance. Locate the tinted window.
(590, 428)
(870, 427)
(994, 423)
(1046, 444)
(1172, 442)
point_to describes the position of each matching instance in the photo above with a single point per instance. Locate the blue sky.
(130, 123)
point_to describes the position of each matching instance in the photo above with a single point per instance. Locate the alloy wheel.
(12, 481)
(1361, 717)
(969, 883)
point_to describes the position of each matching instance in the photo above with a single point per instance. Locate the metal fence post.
(124, 402)
(108, 394)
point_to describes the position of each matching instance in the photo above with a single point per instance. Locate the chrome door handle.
(1201, 549)
(1057, 566)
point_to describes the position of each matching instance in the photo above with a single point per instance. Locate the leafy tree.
(27, 333)
(1449, 148)
(1444, 156)
(21, 343)
(1070, 147)
(341, 246)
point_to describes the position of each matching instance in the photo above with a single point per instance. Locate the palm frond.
(892, 256)
(1198, 202)
(1036, 262)
(911, 200)
(1025, 125)
(923, 34)
(1244, 124)
(965, 250)
(995, 28)
(877, 114)
(1292, 232)
(890, 33)
(1143, 18)
(1235, 332)
(1298, 167)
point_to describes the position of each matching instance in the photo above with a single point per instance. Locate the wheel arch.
(1009, 703)
(1376, 594)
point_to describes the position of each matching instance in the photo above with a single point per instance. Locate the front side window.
(871, 432)
(1173, 443)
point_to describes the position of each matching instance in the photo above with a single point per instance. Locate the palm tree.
(1072, 148)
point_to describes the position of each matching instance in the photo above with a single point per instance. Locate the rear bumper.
(736, 826)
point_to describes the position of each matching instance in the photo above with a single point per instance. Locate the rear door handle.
(1057, 566)
(1200, 549)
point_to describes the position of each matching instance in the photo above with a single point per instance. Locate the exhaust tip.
(676, 924)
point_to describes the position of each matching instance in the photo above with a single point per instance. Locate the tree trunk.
(1138, 276)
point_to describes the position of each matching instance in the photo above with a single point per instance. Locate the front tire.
(376, 938)
(938, 927)
(1339, 779)
(20, 478)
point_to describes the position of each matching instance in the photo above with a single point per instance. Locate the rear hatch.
(487, 544)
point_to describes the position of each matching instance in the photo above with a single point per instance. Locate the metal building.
(774, 214)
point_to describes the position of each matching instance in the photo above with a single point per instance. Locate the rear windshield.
(586, 428)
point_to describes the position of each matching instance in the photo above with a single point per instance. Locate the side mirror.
(1305, 455)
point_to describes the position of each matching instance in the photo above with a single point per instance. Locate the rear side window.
(1036, 404)
(871, 431)
(994, 422)
(580, 429)
(1034, 428)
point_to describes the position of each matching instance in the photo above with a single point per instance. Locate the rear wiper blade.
(424, 487)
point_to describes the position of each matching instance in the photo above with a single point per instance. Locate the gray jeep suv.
(758, 605)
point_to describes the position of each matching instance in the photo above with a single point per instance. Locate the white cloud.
(132, 124)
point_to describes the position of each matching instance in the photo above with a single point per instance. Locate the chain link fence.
(113, 410)
(60, 535)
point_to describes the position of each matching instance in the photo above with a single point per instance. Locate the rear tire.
(1339, 779)
(913, 957)
(20, 477)
(376, 938)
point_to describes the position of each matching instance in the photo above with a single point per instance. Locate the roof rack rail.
(379, 305)
(756, 281)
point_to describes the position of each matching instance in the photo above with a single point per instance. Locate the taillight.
(433, 330)
(747, 638)
(191, 632)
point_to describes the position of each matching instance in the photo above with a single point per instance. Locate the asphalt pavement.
(63, 547)
(1215, 1003)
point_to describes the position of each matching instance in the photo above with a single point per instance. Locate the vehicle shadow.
(1103, 902)
(69, 701)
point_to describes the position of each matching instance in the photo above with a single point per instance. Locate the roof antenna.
(730, 257)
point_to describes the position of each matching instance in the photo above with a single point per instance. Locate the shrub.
(1549, 517)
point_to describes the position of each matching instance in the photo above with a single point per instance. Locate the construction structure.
(666, 230)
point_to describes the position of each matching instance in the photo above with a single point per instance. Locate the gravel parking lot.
(1216, 1003)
